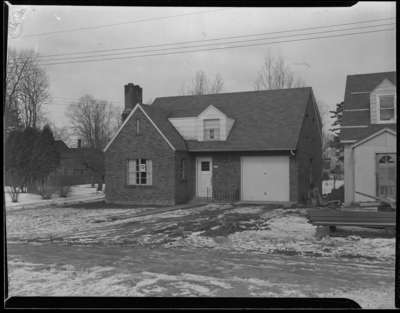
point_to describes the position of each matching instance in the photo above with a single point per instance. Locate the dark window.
(137, 127)
(205, 166)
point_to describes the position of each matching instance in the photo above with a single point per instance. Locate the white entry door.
(204, 175)
(265, 178)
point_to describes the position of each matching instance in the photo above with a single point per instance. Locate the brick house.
(368, 134)
(251, 146)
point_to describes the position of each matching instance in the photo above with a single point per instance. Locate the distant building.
(73, 163)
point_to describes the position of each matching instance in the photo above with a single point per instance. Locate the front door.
(386, 175)
(204, 175)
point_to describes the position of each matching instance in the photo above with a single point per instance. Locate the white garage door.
(265, 178)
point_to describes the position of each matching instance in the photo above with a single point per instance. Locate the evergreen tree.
(45, 157)
(337, 115)
(27, 145)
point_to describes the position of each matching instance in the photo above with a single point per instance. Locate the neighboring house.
(73, 165)
(368, 133)
(251, 146)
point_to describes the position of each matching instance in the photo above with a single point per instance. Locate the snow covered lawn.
(213, 250)
(30, 200)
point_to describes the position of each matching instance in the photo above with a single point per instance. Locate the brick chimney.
(133, 96)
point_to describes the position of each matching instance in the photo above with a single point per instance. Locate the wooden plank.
(355, 224)
(350, 214)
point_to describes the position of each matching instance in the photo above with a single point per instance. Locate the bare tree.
(201, 85)
(26, 88)
(217, 85)
(95, 121)
(63, 133)
(276, 74)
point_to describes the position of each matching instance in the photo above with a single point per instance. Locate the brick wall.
(309, 148)
(184, 188)
(147, 145)
(226, 176)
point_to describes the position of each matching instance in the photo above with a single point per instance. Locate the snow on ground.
(287, 231)
(212, 250)
(67, 280)
(77, 192)
(35, 279)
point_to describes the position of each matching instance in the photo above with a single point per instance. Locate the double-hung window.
(211, 129)
(386, 108)
(139, 172)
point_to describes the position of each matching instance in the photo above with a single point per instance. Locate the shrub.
(64, 185)
(336, 194)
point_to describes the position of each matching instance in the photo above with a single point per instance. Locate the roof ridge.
(374, 73)
(234, 92)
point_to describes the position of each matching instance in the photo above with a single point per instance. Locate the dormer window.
(211, 129)
(386, 108)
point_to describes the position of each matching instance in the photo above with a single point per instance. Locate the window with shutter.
(139, 172)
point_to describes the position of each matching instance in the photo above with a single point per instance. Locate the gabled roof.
(379, 132)
(357, 105)
(366, 82)
(159, 120)
(264, 120)
(61, 146)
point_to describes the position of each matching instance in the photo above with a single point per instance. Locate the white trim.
(355, 110)
(181, 118)
(374, 135)
(378, 108)
(210, 107)
(198, 166)
(127, 119)
(348, 141)
(354, 126)
(358, 92)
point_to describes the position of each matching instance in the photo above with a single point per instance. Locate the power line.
(216, 39)
(122, 23)
(216, 48)
(210, 44)
(76, 99)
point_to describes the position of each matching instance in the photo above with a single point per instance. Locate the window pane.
(137, 178)
(386, 114)
(205, 166)
(386, 102)
(143, 179)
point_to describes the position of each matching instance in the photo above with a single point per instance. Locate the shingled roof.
(264, 120)
(357, 96)
(366, 82)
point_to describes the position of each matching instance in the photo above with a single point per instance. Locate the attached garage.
(265, 178)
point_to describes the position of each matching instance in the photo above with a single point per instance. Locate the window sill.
(386, 122)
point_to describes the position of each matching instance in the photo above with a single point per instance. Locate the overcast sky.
(322, 63)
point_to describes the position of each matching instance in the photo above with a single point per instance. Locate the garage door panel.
(265, 178)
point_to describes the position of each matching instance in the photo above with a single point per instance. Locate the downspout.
(292, 152)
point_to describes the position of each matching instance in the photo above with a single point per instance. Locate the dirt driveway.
(213, 250)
